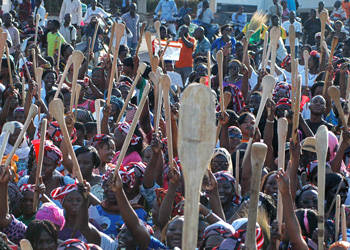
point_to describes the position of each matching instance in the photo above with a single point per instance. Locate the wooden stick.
(32, 112)
(237, 187)
(306, 63)
(196, 142)
(334, 93)
(38, 78)
(334, 44)
(323, 18)
(40, 162)
(37, 19)
(267, 58)
(23, 88)
(34, 60)
(8, 128)
(263, 59)
(296, 109)
(88, 55)
(282, 129)
(3, 39)
(343, 224)
(63, 76)
(9, 64)
(248, 35)
(149, 44)
(98, 115)
(77, 94)
(166, 83)
(321, 151)
(140, 71)
(325, 47)
(77, 58)
(119, 32)
(209, 68)
(220, 58)
(155, 78)
(57, 110)
(337, 216)
(132, 128)
(143, 26)
(110, 40)
(157, 27)
(227, 100)
(25, 244)
(275, 34)
(25, 66)
(97, 26)
(154, 63)
(58, 57)
(164, 50)
(258, 158)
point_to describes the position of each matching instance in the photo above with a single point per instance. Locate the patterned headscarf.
(73, 243)
(53, 152)
(164, 144)
(27, 187)
(125, 83)
(60, 193)
(98, 139)
(227, 176)
(220, 228)
(54, 133)
(284, 101)
(125, 127)
(161, 192)
(237, 97)
(285, 86)
(117, 101)
(311, 169)
(129, 172)
(286, 60)
(50, 211)
(84, 115)
(233, 242)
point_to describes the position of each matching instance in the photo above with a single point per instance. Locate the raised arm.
(224, 119)
(5, 217)
(268, 134)
(214, 197)
(150, 172)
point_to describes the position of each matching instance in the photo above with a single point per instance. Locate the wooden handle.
(32, 112)
(37, 19)
(57, 110)
(263, 59)
(323, 18)
(40, 161)
(157, 27)
(274, 37)
(149, 44)
(209, 68)
(227, 100)
(334, 93)
(321, 151)
(97, 26)
(8, 128)
(337, 216)
(88, 56)
(58, 57)
(237, 187)
(143, 26)
(25, 245)
(296, 109)
(282, 129)
(119, 32)
(343, 224)
(165, 81)
(63, 76)
(34, 60)
(258, 158)
(164, 50)
(9, 64)
(220, 58)
(3, 39)
(306, 63)
(110, 40)
(77, 94)
(132, 128)
(334, 44)
(38, 78)
(25, 66)
(154, 63)
(140, 71)
(98, 115)
(155, 78)
(77, 58)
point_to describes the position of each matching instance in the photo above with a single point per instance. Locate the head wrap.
(164, 144)
(227, 176)
(19, 109)
(284, 101)
(50, 150)
(315, 53)
(60, 193)
(311, 169)
(98, 139)
(125, 127)
(341, 244)
(54, 133)
(106, 175)
(225, 153)
(282, 85)
(84, 115)
(286, 60)
(161, 192)
(125, 83)
(130, 171)
(238, 237)
(117, 101)
(73, 243)
(220, 228)
(50, 211)
(27, 187)
(14, 196)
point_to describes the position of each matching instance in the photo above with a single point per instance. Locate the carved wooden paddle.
(110, 40)
(326, 84)
(77, 58)
(155, 78)
(157, 27)
(37, 19)
(275, 34)
(8, 128)
(306, 63)
(38, 78)
(258, 158)
(143, 26)
(296, 109)
(196, 140)
(3, 39)
(334, 93)
(63, 76)
(77, 94)
(149, 44)
(25, 244)
(219, 59)
(263, 59)
(98, 114)
(321, 151)
(323, 18)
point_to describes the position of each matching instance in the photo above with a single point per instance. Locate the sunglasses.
(306, 202)
(219, 163)
(239, 136)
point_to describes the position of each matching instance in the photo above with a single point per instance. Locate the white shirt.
(74, 8)
(97, 11)
(42, 14)
(69, 33)
(311, 78)
(207, 15)
(288, 76)
(297, 28)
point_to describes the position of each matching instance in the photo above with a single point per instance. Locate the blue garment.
(219, 43)
(168, 10)
(291, 5)
(156, 244)
(183, 11)
(113, 222)
(241, 21)
(89, 32)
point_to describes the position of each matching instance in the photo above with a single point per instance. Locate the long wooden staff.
(88, 55)
(57, 110)
(77, 94)
(119, 32)
(98, 114)
(337, 216)
(25, 66)
(157, 27)
(97, 26)
(227, 100)
(77, 58)
(32, 112)
(3, 39)
(296, 109)
(155, 78)
(40, 161)
(110, 40)
(258, 157)
(63, 76)
(343, 224)
(275, 34)
(34, 60)
(323, 18)
(237, 186)
(263, 59)
(306, 63)
(164, 50)
(321, 151)
(149, 44)
(220, 58)
(196, 141)
(37, 19)
(140, 71)
(8, 128)
(132, 128)
(38, 78)
(58, 57)
(291, 37)
(9, 64)
(209, 68)
(334, 44)
(282, 129)
(143, 26)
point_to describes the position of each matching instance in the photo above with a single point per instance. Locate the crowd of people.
(141, 206)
